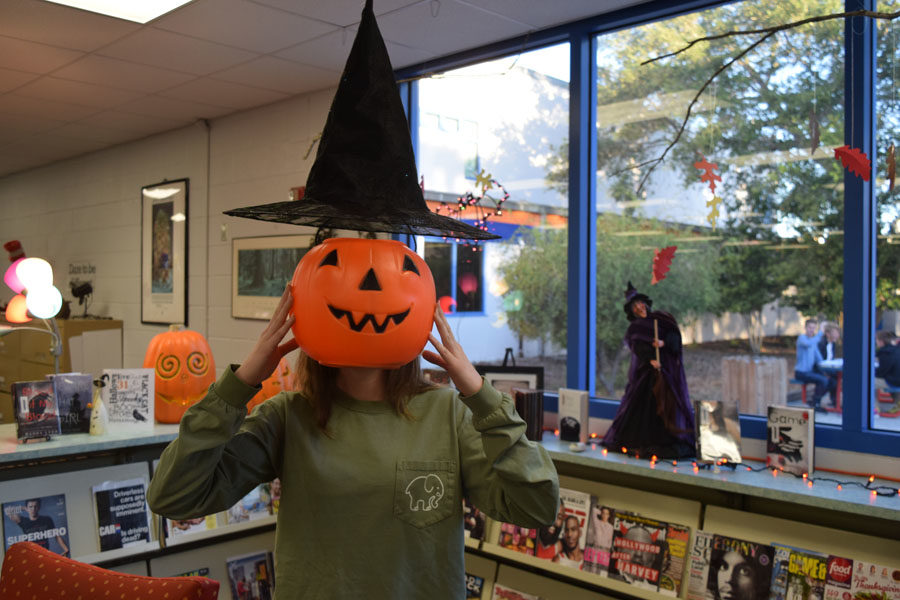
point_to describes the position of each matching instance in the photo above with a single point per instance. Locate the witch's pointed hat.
(364, 177)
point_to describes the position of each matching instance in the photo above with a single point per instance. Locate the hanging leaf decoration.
(891, 167)
(661, 261)
(713, 206)
(855, 161)
(709, 176)
(813, 132)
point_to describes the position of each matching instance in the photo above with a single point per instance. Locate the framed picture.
(164, 243)
(260, 268)
(505, 379)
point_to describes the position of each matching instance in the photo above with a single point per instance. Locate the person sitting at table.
(830, 349)
(887, 373)
(808, 357)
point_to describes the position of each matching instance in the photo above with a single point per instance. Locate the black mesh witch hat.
(364, 177)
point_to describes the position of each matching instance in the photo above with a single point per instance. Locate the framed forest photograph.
(164, 232)
(261, 267)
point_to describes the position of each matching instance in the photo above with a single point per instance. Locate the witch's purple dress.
(645, 424)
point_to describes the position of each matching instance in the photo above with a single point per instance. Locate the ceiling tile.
(223, 93)
(94, 135)
(34, 58)
(339, 12)
(173, 109)
(242, 24)
(281, 75)
(543, 14)
(121, 74)
(59, 25)
(129, 122)
(330, 51)
(76, 92)
(10, 80)
(14, 104)
(176, 52)
(13, 126)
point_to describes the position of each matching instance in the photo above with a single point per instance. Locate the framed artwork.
(164, 243)
(505, 379)
(260, 268)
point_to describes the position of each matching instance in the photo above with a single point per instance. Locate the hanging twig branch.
(765, 33)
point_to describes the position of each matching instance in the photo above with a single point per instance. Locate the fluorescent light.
(139, 12)
(178, 217)
(161, 193)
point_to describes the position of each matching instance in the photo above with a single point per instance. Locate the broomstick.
(659, 386)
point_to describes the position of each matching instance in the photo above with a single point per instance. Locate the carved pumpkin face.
(280, 380)
(362, 303)
(184, 368)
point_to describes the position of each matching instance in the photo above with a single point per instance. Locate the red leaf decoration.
(855, 161)
(661, 261)
(709, 175)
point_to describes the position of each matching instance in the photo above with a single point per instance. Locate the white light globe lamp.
(34, 273)
(44, 302)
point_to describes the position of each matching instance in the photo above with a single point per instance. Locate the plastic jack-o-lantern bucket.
(362, 303)
(184, 368)
(282, 379)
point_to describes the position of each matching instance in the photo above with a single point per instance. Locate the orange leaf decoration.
(661, 261)
(709, 176)
(855, 161)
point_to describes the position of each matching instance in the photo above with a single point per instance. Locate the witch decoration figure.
(655, 416)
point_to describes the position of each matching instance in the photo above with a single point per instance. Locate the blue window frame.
(855, 433)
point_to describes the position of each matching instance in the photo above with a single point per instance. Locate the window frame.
(855, 433)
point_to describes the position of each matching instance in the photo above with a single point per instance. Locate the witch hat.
(364, 177)
(631, 295)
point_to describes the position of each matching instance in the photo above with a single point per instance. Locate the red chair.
(32, 572)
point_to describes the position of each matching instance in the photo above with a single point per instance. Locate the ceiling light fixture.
(139, 12)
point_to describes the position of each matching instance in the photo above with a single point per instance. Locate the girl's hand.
(267, 352)
(451, 357)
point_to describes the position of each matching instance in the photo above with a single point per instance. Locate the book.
(41, 520)
(123, 517)
(129, 398)
(598, 543)
(874, 582)
(739, 568)
(717, 431)
(473, 521)
(698, 565)
(790, 444)
(838, 578)
(530, 406)
(73, 400)
(474, 587)
(503, 592)
(255, 505)
(637, 550)
(37, 416)
(806, 576)
(674, 559)
(573, 415)
(251, 575)
(520, 539)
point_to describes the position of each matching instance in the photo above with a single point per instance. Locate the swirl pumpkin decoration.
(184, 367)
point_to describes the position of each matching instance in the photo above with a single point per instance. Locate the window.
(458, 274)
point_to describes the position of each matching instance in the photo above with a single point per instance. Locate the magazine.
(599, 539)
(573, 415)
(255, 505)
(739, 568)
(37, 417)
(473, 521)
(201, 572)
(838, 578)
(674, 558)
(123, 517)
(520, 539)
(175, 528)
(637, 550)
(41, 520)
(502, 592)
(251, 576)
(790, 443)
(567, 548)
(698, 566)
(129, 398)
(806, 576)
(717, 431)
(474, 586)
(874, 582)
(73, 400)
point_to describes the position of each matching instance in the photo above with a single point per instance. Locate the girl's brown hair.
(318, 384)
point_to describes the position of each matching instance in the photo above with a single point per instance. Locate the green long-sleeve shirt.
(374, 510)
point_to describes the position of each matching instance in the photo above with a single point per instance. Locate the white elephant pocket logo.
(425, 492)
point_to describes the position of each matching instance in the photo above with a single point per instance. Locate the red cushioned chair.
(31, 572)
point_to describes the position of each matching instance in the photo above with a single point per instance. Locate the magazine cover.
(598, 543)
(739, 569)
(674, 558)
(520, 539)
(569, 548)
(806, 576)
(273, 488)
(129, 398)
(698, 566)
(73, 398)
(254, 505)
(473, 521)
(123, 517)
(838, 578)
(874, 582)
(790, 440)
(251, 576)
(40, 520)
(717, 431)
(175, 528)
(573, 415)
(780, 563)
(474, 586)
(637, 550)
(201, 572)
(37, 416)
(502, 592)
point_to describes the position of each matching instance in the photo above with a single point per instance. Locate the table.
(835, 367)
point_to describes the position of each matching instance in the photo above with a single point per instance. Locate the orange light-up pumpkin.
(281, 379)
(184, 369)
(362, 303)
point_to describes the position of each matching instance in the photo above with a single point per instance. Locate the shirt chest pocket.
(425, 491)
